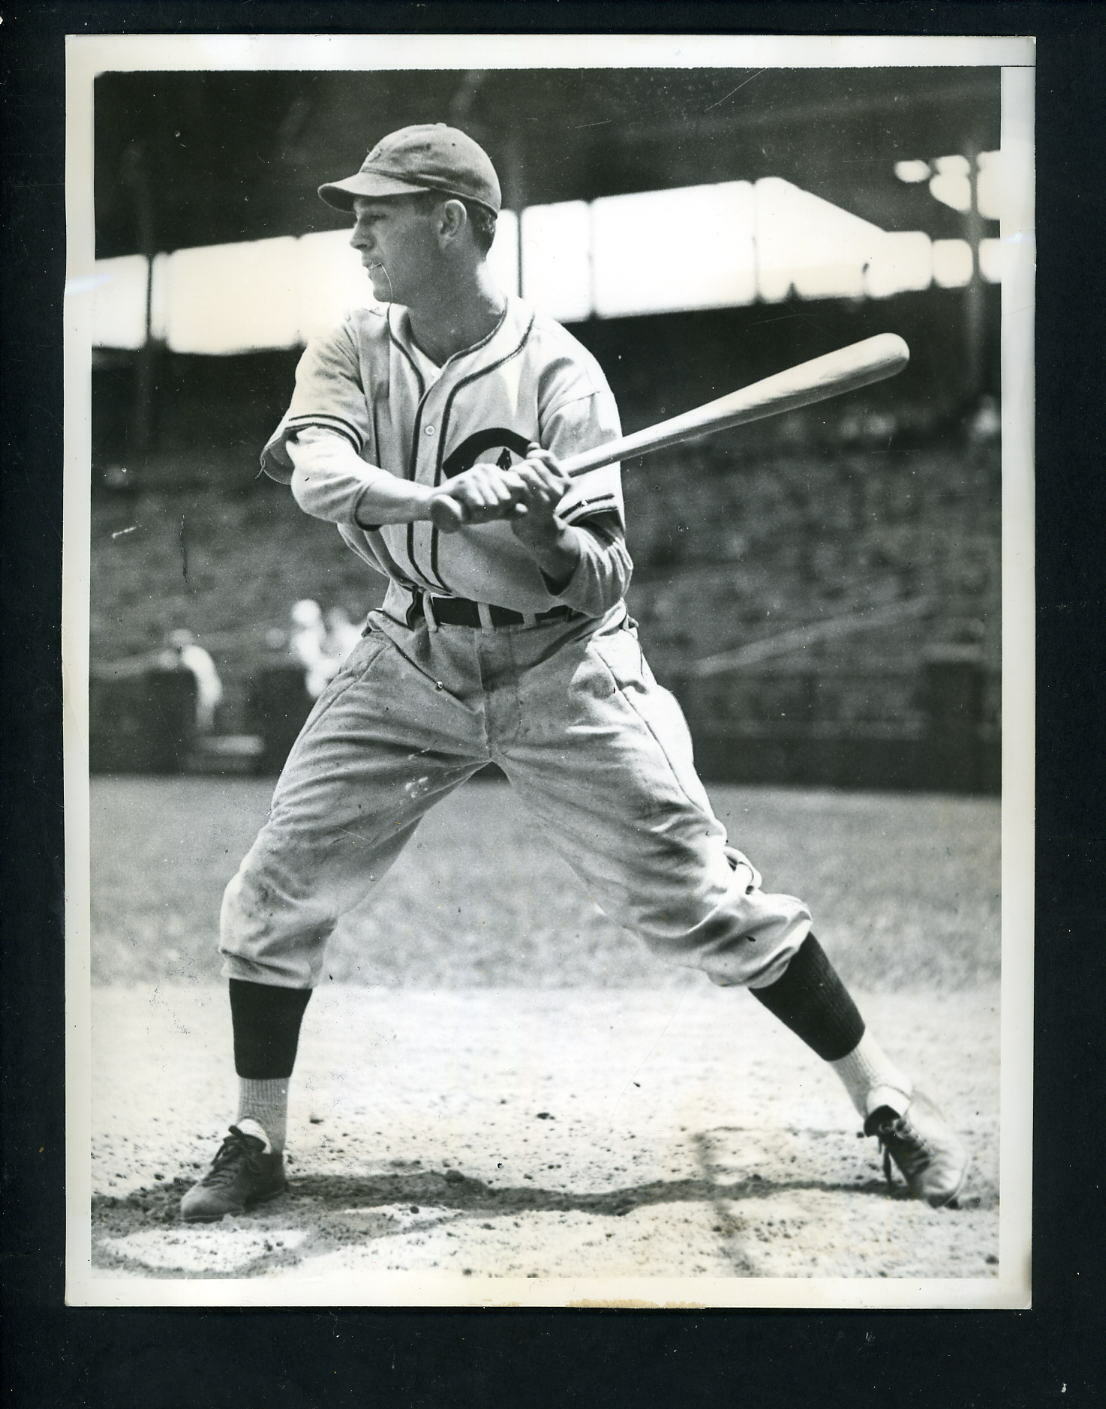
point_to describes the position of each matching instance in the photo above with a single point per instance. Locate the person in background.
(985, 422)
(183, 652)
(307, 645)
(341, 634)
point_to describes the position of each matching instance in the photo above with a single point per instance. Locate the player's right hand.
(484, 493)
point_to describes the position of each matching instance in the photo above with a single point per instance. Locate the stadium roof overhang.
(203, 158)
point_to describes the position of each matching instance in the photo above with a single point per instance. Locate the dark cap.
(429, 157)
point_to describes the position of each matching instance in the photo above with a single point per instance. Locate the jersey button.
(430, 430)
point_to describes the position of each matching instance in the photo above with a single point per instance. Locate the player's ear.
(452, 219)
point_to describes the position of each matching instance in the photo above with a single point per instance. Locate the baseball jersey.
(528, 380)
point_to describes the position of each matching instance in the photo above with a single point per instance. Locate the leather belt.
(460, 611)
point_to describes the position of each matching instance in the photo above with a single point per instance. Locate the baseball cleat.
(241, 1175)
(922, 1145)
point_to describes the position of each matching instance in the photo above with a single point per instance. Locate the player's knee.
(267, 904)
(737, 941)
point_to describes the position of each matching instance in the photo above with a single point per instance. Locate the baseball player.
(451, 406)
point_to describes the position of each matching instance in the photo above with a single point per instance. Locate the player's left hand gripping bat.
(849, 368)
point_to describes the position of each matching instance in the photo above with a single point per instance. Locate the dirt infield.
(474, 1138)
(500, 1098)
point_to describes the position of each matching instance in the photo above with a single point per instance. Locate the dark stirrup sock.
(266, 1023)
(812, 1001)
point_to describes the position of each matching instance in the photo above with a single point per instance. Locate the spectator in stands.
(307, 645)
(183, 652)
(341, 634)
(986, 423)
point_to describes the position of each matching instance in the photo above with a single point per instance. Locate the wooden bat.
(849, 368)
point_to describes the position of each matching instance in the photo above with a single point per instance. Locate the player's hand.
(544, 484)
(747, 874)
(477, 495)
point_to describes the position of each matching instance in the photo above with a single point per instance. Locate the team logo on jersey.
(476, 446)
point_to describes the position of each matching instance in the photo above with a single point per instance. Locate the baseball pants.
(599, 755)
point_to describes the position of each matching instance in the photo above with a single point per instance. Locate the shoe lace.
(888, 1164)
(898, 1142)
(224, 1167)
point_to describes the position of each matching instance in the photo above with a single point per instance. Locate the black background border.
(167, 1359)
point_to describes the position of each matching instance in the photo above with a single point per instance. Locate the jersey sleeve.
(603, 569)
(329, 393)
(578, 412)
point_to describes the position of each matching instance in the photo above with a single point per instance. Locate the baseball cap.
(426, 157)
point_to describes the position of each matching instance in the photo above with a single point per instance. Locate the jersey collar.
(503, 338)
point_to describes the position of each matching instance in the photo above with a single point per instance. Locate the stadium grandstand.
(821, 589)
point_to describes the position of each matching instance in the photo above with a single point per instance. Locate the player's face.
(395, 237)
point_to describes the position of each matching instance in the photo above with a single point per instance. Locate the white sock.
(872, 1079)
(264, 1104)
(248, 1126)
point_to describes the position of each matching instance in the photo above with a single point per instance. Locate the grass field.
(904, 889)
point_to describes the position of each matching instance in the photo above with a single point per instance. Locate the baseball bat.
(849, 368)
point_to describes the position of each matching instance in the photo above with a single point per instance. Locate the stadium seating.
(732, 551)
(800, 574)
